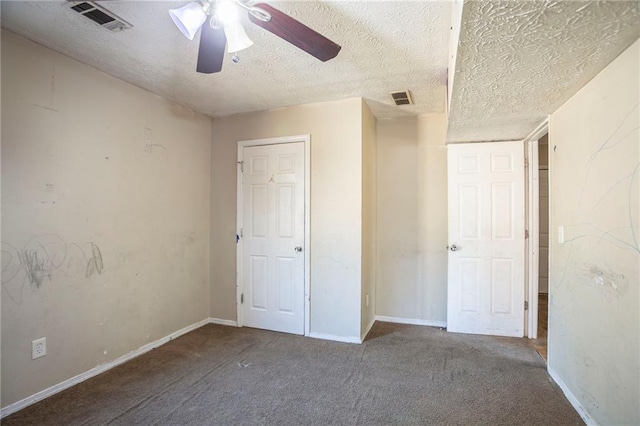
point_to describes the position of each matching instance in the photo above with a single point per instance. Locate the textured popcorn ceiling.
(386, 46)
(518, 61)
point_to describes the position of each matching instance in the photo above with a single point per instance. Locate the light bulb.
(227, 11)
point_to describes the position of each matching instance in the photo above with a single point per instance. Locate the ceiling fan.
(220, 27)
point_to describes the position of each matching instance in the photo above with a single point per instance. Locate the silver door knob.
(453, 247)
(298, 249)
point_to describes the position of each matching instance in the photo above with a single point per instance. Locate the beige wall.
(113, 230)
(412, 218)
(594, 320)
(336, 208)
(369, 218)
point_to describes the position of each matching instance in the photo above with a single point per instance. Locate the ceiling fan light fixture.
(225, 29)
(189, 18)
(237, 38)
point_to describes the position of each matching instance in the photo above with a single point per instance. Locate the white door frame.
(533, 226)
(307, 219)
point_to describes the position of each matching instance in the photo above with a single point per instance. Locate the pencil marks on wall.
(43, 256)
(94, 264)
(606, 213)
(597, 201)
(622, 133)
(37, 267)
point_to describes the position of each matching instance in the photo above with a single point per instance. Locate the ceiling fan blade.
(211, 49)
(296, 33)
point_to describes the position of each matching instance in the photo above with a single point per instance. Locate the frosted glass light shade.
(188, 18)
(237, 38)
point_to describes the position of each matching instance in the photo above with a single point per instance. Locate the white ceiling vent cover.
(100, 16)
(402, 98)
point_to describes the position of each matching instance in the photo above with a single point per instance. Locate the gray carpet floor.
(401, 375)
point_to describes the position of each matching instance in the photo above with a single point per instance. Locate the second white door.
(486, 237)
(272, 270)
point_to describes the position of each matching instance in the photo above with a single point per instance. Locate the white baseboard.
(219, 321)
(572, 398)
(344, 339)
(368, 329)
(23, 403)
(411, 321)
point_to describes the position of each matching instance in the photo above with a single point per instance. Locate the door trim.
(532, 252)
(307, 219)
(533, 225)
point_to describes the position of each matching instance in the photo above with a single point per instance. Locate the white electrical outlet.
(38, 348)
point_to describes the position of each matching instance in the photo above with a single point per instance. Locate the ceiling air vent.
(402, 98)
(100, 16)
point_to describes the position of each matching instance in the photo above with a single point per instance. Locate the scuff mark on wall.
(186, 245)
(148, 141)
(50, 100)
(610, 284)
(45, 107)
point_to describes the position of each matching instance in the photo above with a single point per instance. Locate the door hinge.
(526, 305)
(242, 298)
(526, 234)
(241, 166)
